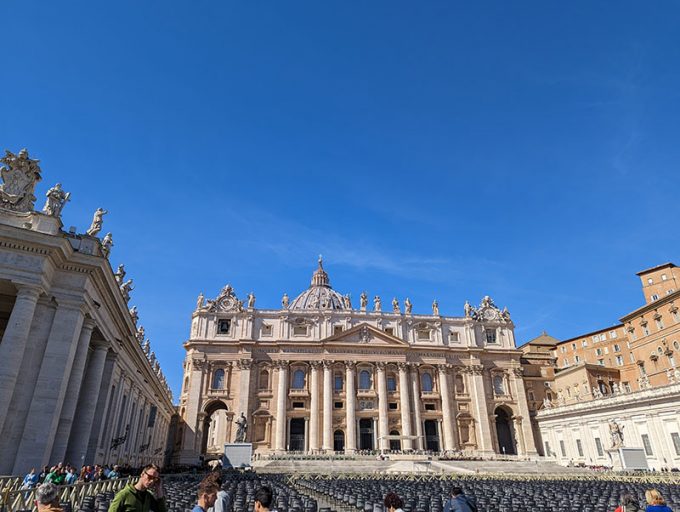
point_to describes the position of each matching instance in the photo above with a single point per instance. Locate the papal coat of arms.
(19, 175)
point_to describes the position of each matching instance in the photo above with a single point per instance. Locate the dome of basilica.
(320, 295)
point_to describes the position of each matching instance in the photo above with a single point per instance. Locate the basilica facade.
(320, 375)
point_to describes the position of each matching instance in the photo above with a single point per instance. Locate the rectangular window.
(565, 363)
(647, 445)
(676, 442)
(663, 277)
(547, 449)
(612, 334)
(391, 384)
(598, 351)
(659, 324)
(393, 406)
(300, 330)
(606, 350)
(584, 343)
(453, 337)
(338, 382)
(573, 346)
(337, 405)
(563, 449)
(337, 329)
(298, 405)
(603, 337)
(563, 349)
(389, 330)
(152, 416)
(598, 445)
(676, 316)
(600, 362)
(645, 330)
(632, 357)
(267, 330)
(655, 297)
(579, 447)
(617, 348)
(596, 338)
(423, 335)
(619, 360)
(223, 326)
(429, 407)
(577, 359)
(626, 386)
(491, 336)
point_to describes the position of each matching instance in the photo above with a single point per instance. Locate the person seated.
(263, 499)
(628, 503)
(47, 498)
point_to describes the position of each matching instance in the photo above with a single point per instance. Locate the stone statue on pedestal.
(377, 304)
(435, 308)
(120, 274)
(107, 243)
(284, 301)
(56, 200)
(126, 288)
(251, 300)
(97, 222)
(408, 306)
(241, 429)
(616, 433)
(395, 305)
(363, 301)
(134, 314)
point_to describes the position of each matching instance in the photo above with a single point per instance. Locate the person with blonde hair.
(655, 502)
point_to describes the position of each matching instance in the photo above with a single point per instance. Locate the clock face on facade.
(489, 314)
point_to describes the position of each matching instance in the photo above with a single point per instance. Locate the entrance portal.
(431, 436)
(506, 443)
(339, 441)
(395, 444)
(366, 434)
(297, 435)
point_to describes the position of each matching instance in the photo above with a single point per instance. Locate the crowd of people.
(66, 474)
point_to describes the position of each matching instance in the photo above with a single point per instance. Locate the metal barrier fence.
(645, 478)
(11, 483)
(14, 500)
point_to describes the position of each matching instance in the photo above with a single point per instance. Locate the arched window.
(264, 379)
(218, 379)
(186, 382)
(426, 382)
(498, 385)
(298, 379)
(364, 379)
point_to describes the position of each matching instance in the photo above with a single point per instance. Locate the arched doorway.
(431, 436)
(297, 435)
(338, 441)
(395, 444)
(215, 428)
(366, 434)
(506, 442)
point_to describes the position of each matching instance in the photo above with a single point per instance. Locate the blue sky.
(528, 151)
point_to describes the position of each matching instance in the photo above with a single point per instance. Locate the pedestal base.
(237, 455)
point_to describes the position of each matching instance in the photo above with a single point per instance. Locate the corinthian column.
(415, 385)
(524, 423)
(13, 343)
(244, 366)
(484, 442)
(446, 408)
(75, 381)
(350, 394)
(281, 403)
(314, 408)
(382, 407)
(327, 406)
(405, 403)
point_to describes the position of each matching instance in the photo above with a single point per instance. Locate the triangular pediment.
(365, 334)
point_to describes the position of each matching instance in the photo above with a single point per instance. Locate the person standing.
(139, 497)
(655, 502)
(223, 498)
(207, 494)
(30, 480)
(263, 499)
(628, 504)
(393, 503)
(47, 498)
(459, 502)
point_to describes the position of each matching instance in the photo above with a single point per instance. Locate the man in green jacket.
(138, 497)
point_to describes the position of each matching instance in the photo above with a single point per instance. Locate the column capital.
(100, 344)
(403, 366)
(244, 364)
(281, 364)
(89, 323)
(315, 365)
(517, 372)
(28, 290)
(381, 365)
(351, 365)
(327, 364)
(444, 368)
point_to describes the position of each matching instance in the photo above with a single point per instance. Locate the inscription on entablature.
(373, 352)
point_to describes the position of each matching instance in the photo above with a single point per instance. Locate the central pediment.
(365, 334)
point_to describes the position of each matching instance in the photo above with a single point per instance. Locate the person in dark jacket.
(459, 502)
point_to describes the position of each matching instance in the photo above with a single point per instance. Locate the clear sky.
(449, 150)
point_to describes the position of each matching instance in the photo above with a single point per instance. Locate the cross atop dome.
(320, 295)
(320, 277)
